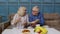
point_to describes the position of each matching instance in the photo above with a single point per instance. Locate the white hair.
(35, 8)
(21, 10)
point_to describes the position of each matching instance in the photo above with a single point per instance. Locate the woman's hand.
(24, 24)
(17, 20)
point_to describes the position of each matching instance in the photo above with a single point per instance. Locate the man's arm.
(41, 20)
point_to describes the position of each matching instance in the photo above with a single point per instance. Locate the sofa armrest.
(6, 24)
(0, 28)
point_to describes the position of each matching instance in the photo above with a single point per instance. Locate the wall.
(11, 6)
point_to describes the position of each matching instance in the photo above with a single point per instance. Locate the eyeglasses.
(34, 11)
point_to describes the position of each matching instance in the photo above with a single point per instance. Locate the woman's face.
(22, 12)
(25, 11)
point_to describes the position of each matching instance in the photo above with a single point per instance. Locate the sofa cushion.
(0, 28)
(51, 16)
(46, 16)
(52, 23)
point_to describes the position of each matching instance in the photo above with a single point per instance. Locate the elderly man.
(36, 17)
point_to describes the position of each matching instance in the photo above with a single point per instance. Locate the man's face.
(35, 12)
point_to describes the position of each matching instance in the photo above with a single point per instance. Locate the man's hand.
(37, 21)
(33, 24)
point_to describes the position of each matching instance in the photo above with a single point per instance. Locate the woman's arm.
(15, 20)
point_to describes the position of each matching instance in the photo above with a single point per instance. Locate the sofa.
(52, 20)
(4, 25)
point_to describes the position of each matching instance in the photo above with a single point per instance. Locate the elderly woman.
(20, 19)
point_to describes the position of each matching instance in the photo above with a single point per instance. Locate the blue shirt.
(39, 16)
